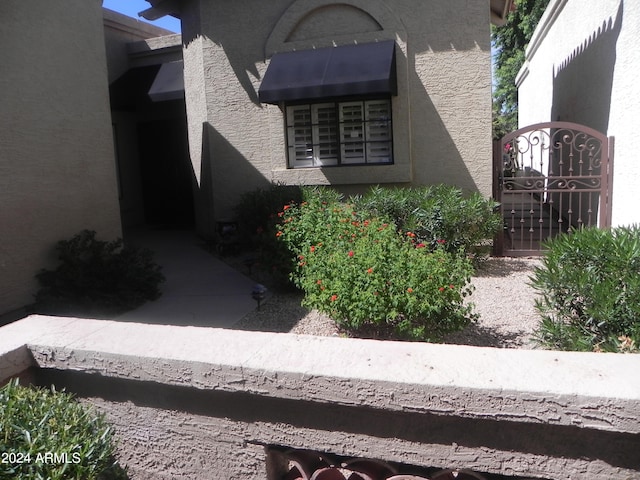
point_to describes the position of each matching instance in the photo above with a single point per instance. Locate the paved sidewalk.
(199, 290)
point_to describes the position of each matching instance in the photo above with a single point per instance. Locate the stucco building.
(347, 93)
(57, 170)
(109, 123)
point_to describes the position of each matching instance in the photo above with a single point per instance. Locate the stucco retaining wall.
(203, 403)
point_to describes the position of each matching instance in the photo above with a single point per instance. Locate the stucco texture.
(441, 115)
(201, 403)
(57, 170)
(582, 66)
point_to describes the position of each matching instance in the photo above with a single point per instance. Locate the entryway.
(550, 178)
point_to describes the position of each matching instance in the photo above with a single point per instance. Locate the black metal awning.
(365, 69)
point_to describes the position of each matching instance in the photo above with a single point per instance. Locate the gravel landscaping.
(502, 298)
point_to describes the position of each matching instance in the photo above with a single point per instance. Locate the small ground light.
(259, 293)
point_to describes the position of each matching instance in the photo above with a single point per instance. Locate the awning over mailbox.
(365, 69)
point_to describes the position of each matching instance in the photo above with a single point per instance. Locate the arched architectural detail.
(333, 20)
(374, 21)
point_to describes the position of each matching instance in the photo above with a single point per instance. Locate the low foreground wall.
(203, 403)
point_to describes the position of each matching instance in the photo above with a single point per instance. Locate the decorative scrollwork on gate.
(552, 177)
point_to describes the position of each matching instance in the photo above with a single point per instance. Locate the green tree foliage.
(510, 42)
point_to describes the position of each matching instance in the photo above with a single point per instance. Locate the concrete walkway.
(199, 290)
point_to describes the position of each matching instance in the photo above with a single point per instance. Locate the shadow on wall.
(225, 174)
(244, 46)
(582, 87)
(583, 82)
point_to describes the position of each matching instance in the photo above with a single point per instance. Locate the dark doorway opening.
(166, 173)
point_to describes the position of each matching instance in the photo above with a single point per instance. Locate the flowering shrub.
(589, 284)
(370, 278)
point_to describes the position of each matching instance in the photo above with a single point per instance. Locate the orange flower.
(313, 249)
(410, 290)
(411, 234)
(278, 234)
(286, 207)
(319, 282)
(334, 298)
(370, 270)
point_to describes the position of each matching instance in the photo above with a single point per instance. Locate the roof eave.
(500, 10)
(161, 8)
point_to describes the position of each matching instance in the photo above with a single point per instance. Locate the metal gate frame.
(550, 178)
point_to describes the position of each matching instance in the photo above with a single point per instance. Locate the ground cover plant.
(370, 276)
(45, 434)
(589, 286)
(96, 277)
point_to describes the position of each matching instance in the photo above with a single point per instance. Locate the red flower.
(451, 287)
(441, 241)
(286, 207)
(351, 253)
(411, 234)
(313, 249)
(370, 270)
(420, 245)
(441, 289)
(319, 282)
(410, 290)
(334, 298)
(278, 234)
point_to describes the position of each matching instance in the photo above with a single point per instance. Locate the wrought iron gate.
(550, 178)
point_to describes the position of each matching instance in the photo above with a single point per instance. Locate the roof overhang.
(499, 11)
(161, 8)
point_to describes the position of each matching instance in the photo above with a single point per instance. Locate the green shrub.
(258, 217)
(97, 278)
(256, 212)
(47, 435)
(370, 278)
(589, 284)
(439, 215)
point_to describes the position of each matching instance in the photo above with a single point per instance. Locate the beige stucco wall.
(57, 172)
(441, 116)
(582, 65)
